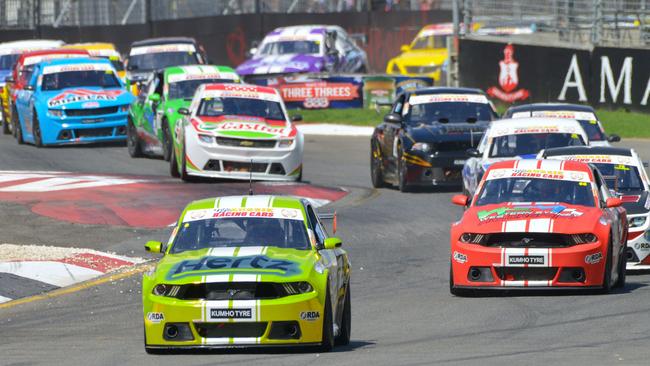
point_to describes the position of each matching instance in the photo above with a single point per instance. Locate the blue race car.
(75, 100)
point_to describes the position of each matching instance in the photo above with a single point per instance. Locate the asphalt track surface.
(402, 310)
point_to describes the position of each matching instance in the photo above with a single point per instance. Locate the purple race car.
(305, 49)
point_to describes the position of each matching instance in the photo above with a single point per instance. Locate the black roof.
(446, 90)
(588, 150)
(549, 107)
(163, 40)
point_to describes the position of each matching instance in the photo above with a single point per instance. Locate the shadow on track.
(269, 351)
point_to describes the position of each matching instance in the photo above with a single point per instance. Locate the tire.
(343, 339)
(183, 173)
(299, 179)
(376, 174)
(132, 140)
(402, 184)
(607, 278)
(327, 340)
(18, 128)
(173, 165)
(5, 123)
(622, 264)
(36, 131)
(167, 141)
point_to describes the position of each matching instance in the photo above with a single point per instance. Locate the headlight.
(583, 238)
(470, 238)
(206, 139)
(285, 143)
(165, 290)
(295, 288)
(56, 112)
(637, 221)
(421, 146)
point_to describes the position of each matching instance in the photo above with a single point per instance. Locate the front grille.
(526, 273)
(231, 291)
(528, 240)
(235, 166)
(231, 330)
(90, 111)
(453, 146)
(260, 144)
(94, 132)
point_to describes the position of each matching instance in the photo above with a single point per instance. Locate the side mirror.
(613, 202)
(252, 52)
(333, 243)
(393, 118)
(153, 247)
(460, 200)
(9, 79)
(184, 111)
(405, 48)
(473, 153)
(613, 138)
(155, 97)
(296, 118)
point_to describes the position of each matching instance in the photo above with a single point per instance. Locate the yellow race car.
(103, 50)
(425, 55)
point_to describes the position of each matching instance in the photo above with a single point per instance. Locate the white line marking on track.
(4, 299)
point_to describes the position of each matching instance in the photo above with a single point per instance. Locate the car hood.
(270, 263)
(636, 203)
(485, 163)
(447, 132)
(421, 57)
(281, 64)
(244, 127)
(86, 97)
(538, 217)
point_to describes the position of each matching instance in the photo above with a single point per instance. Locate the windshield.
(593, 130)
(531, 143)
(535, 190)
(73, 79)
(620, 177)
(449, 112)
(241, 232)
(290, 47)
(7, 61)
(185, 89)
(161, 60)
(117, 63)
(214, 107)
(428, 42)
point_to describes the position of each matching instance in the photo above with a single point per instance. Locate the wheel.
(167, 141)
(36, 131)
(376, 173)
(173, 165)
(327, 342)
(622, 264)
(183, 173)
(18, 128)
(132, 140)
(5, 123)
(607, 278)
(343, 339)
(401, 172)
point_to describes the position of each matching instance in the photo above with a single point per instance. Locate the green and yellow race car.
(154, 113)
(247, 271)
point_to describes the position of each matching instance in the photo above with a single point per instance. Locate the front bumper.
(442, 169)
(579, 266)
(80, 130)
(219, 161)
(638, 247)
(268, 324)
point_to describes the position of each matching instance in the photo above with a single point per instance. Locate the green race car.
(247, 271)
(154, 113)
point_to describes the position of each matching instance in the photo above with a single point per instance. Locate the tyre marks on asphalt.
(27, 270)
(137, 201)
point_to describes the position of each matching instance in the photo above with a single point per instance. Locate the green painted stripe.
(243, 204)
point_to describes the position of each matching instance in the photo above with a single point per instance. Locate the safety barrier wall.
(518, 73)
(226, 38)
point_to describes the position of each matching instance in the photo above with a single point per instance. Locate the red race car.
(539, 224)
